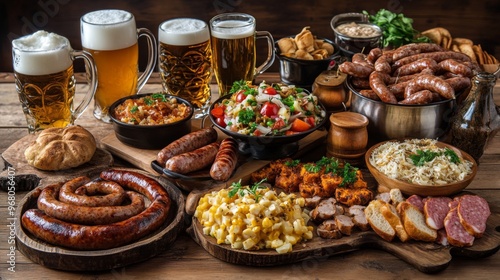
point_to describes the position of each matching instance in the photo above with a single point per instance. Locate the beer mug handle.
(92, 78)
(152, 55)
(270, 51)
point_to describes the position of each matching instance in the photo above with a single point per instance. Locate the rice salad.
(420, 161)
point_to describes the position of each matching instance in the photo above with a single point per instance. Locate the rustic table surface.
(187, 260)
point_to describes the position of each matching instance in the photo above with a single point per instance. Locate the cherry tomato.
(269, 109)
(240, 96)
(270, 91)
(257, 132)
(221, 122)
(299, 125)
(289, 132)
(278, 124)
(218, 112)
(311, 121)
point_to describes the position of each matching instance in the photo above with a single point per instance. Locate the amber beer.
(43, 68)
(185, 61)
(111, 37)
(233, 48)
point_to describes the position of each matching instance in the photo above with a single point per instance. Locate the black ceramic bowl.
(150, 136)
(301, 72)
(267, 147)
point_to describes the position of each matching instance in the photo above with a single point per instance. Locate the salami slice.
(455, 232)
(473, 212)
(435, 210)
(442, 239)
(416, 201)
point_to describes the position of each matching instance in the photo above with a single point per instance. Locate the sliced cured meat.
(435, 210)
(329, 230)
(473, 212)
(344, 224)
(455, 232)
(442, 239)
(416, 201)
(325, 210)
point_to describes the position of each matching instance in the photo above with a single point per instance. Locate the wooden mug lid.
(331, 78)
(348, 120)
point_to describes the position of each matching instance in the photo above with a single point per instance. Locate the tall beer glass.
(111, 37)
(43, 69)
(185, 61)
(233, 38)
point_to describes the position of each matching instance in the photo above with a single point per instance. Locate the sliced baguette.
(414, 223)
(396, 196)
(378, 222)
(391, 215)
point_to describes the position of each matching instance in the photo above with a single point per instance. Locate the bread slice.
(396, 196)
(378, 222)
(390, 213)
(414, 223)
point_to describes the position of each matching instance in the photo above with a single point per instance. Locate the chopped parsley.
(246, 116)
(421, 157)
(292, 163)
(160, 96)
(134, 109)
(237, 188)
(148, 101)
(331, 165)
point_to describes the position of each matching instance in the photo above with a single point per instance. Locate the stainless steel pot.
(394, 121)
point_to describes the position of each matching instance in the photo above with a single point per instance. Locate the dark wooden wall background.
(476, 20)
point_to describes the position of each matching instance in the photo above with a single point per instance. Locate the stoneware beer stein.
(111, 37)
(185, 61)
(234, 53)
(43, 69)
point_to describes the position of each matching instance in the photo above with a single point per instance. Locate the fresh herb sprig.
(421, 157)
(238, 188)
(332, 165)
(397, 29)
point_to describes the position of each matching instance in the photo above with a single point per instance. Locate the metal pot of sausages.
(355, 34)
(151, 120)
(397, 121)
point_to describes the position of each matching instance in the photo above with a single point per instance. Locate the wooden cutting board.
(28, 177)
(427, 257)
(142, 159)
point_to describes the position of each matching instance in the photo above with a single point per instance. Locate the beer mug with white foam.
(234, 53)
(43, 69)
(111, 37)
(185, 60)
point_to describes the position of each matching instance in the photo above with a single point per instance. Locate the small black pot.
(301, 72)
(150, 136)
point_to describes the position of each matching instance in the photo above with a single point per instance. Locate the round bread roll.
(61, 148)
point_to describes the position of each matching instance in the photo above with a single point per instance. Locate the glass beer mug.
(43, 69)
(111, 37)
(185, 61)
(234, 53)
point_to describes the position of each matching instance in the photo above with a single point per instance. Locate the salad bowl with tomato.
(267, 120)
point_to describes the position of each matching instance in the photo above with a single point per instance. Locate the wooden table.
(186, 260)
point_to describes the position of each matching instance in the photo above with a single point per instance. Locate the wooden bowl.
(422, 190)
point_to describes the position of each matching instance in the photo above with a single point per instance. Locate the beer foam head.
(108, 30)
(183, 32)
(232, 29)
(41, 53)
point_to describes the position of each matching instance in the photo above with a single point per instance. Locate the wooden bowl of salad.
(268, 120)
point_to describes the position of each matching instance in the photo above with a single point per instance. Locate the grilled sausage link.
(225, 160)
(194, 160)
(187, 143)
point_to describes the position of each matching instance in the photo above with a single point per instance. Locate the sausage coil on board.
(81, 191)
(100, 237)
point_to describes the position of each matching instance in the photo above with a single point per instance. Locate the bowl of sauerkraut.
(267, 120)
(425, 167)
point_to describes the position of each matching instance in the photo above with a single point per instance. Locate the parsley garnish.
(237, 188)
(134, 109)
(148, 101)
(160, 96)
(292, 163)
(348, 175)
(246, 116)
(421, 157)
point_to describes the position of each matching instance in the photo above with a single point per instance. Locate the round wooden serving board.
(73, 260)
(28, 177)
(427, 257)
